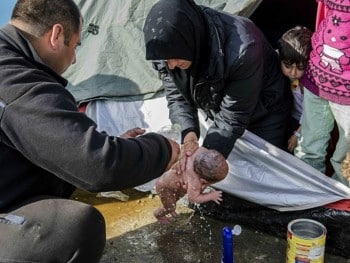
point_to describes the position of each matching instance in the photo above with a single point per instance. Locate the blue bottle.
(227, 243)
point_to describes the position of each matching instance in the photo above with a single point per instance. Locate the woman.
(221, 64)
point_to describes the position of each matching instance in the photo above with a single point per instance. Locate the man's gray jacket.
(47, 147)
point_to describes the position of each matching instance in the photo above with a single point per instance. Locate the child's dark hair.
(295, 46)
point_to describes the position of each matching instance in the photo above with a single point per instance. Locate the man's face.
(68, 53)
(59, 54)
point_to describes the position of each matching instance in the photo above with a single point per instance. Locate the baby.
(204, 167)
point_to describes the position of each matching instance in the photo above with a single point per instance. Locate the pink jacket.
(328, 72)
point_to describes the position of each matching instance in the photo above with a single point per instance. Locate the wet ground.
(134, 235)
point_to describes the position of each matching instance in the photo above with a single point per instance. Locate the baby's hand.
(216, 196)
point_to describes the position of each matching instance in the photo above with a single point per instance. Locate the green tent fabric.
(111, 62)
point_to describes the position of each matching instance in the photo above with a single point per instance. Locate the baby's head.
(294, 49)
(210, 165)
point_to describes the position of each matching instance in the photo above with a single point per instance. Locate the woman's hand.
(189, 146)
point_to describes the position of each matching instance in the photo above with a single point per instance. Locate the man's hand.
(132, 133)
(175, 152)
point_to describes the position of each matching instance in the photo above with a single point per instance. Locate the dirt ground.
(134, 236)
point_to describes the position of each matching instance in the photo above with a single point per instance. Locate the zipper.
(219, 42)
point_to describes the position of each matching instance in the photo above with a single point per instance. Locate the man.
(48, 148)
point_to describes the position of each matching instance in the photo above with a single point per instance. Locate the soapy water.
(205, 226)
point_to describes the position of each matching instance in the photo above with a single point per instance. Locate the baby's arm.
(196, 196)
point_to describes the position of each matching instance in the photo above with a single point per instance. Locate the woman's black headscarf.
(175, 29)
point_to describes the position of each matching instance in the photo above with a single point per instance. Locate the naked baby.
(204, 167)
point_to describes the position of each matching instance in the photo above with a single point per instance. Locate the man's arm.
(45, 126)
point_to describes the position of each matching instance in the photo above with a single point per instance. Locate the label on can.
(306, 241)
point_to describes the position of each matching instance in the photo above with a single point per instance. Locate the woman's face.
(180, 63)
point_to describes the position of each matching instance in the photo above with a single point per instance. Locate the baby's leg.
(169, 200)
(161, 215)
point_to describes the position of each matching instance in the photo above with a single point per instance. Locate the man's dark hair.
(295, 46)
(41, 15)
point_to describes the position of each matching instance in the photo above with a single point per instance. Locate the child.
(327, 94)
(294, 49)
(204, 168)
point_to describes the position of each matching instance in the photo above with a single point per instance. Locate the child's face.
(292, 71)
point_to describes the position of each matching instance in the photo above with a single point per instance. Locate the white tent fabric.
(264, 174)
(116, 118)
(259, 172)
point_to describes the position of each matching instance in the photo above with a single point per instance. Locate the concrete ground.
(134, 235)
